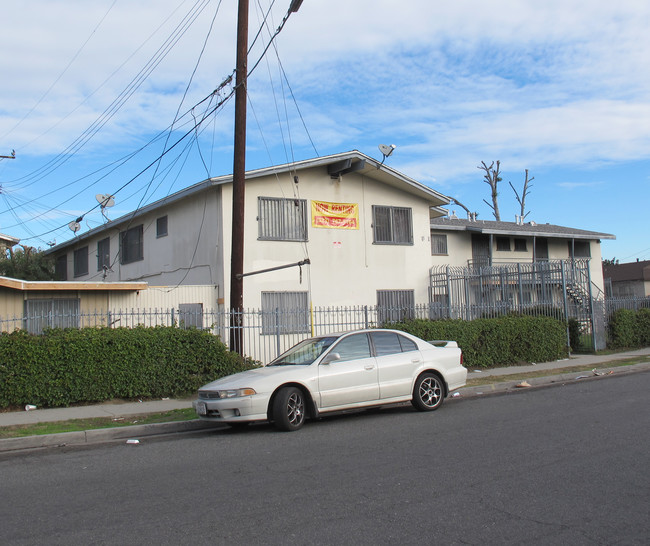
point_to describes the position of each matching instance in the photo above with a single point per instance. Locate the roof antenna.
(386, 150)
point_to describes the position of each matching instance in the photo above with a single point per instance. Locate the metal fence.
(266, 334)
(560, 288)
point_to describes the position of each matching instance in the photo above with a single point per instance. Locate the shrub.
(575, 331)
(68, 366)
(622, 329)
(629, 329)
(501, 341)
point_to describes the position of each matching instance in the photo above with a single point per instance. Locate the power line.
(195, 127)
(74, 57)
(118, 102)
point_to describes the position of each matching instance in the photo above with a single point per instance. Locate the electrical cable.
(74, 58)
(121, 99)
(205, 116)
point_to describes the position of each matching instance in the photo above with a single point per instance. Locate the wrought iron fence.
(266, 334)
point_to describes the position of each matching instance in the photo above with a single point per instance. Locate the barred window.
(190, 315)
(51, 313)
(503, 244)
(103, 253)
(520, 245)
(285, 313)
(579, 249)
(282, 219)
(81, 262)
(392, 225)
(131, 245)
(395, 305)
(438, 245)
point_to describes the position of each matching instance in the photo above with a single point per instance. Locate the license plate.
(201, 409)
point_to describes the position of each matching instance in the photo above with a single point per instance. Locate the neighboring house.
(628, 280)
(7, 241)
(364, 227)
(35, 305)
(481, 243)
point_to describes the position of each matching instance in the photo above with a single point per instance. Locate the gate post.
(566, 305)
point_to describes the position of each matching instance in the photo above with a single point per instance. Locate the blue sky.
(561, 88)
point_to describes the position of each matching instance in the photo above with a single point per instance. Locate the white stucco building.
(371, 235)
(364, 227)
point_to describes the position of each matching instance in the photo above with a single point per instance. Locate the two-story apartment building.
(363, 227)
(365, 234)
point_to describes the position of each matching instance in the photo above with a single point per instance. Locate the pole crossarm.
(296, 264)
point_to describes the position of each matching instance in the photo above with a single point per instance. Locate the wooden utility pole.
(238, 184)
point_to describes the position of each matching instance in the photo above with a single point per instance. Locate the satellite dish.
(74, 226)
(105, 200)
(386, 150)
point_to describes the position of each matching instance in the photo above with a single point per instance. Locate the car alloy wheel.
(289, 409)
(428, 393)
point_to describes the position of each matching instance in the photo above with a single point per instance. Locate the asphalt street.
(564, 465)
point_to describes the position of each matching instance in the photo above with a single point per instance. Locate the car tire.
(428, 393)
(289, 409)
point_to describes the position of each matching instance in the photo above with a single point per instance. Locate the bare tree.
(522, 199)
(492, 178)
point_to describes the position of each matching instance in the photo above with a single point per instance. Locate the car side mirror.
(332, 357)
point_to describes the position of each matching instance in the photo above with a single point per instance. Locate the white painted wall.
(346, 267)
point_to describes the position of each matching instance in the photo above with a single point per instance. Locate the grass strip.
(74, 425)
(491, 379)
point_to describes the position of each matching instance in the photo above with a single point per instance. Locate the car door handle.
(369, 367)
(415, 360)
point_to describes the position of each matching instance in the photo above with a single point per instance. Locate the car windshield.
(305, 352)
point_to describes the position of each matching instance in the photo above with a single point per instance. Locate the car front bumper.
(239, 409)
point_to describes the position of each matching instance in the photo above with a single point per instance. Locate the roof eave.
(26, 286)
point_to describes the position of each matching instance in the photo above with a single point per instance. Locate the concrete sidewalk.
(118, 410)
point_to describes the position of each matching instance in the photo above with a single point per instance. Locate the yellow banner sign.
(334, 215)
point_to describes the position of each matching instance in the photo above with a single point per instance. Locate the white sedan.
(337, 372)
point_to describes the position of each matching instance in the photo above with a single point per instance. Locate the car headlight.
(236, 393)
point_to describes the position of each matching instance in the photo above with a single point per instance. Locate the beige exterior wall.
(11, 304)
(166, 297)
(459, 249)
(96, 305)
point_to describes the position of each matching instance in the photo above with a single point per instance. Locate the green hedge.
(628, 329)
(68, 366)
(502, 341)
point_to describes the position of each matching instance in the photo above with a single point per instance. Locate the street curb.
(101, 435)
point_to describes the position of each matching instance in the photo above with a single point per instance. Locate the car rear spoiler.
(443, 343)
